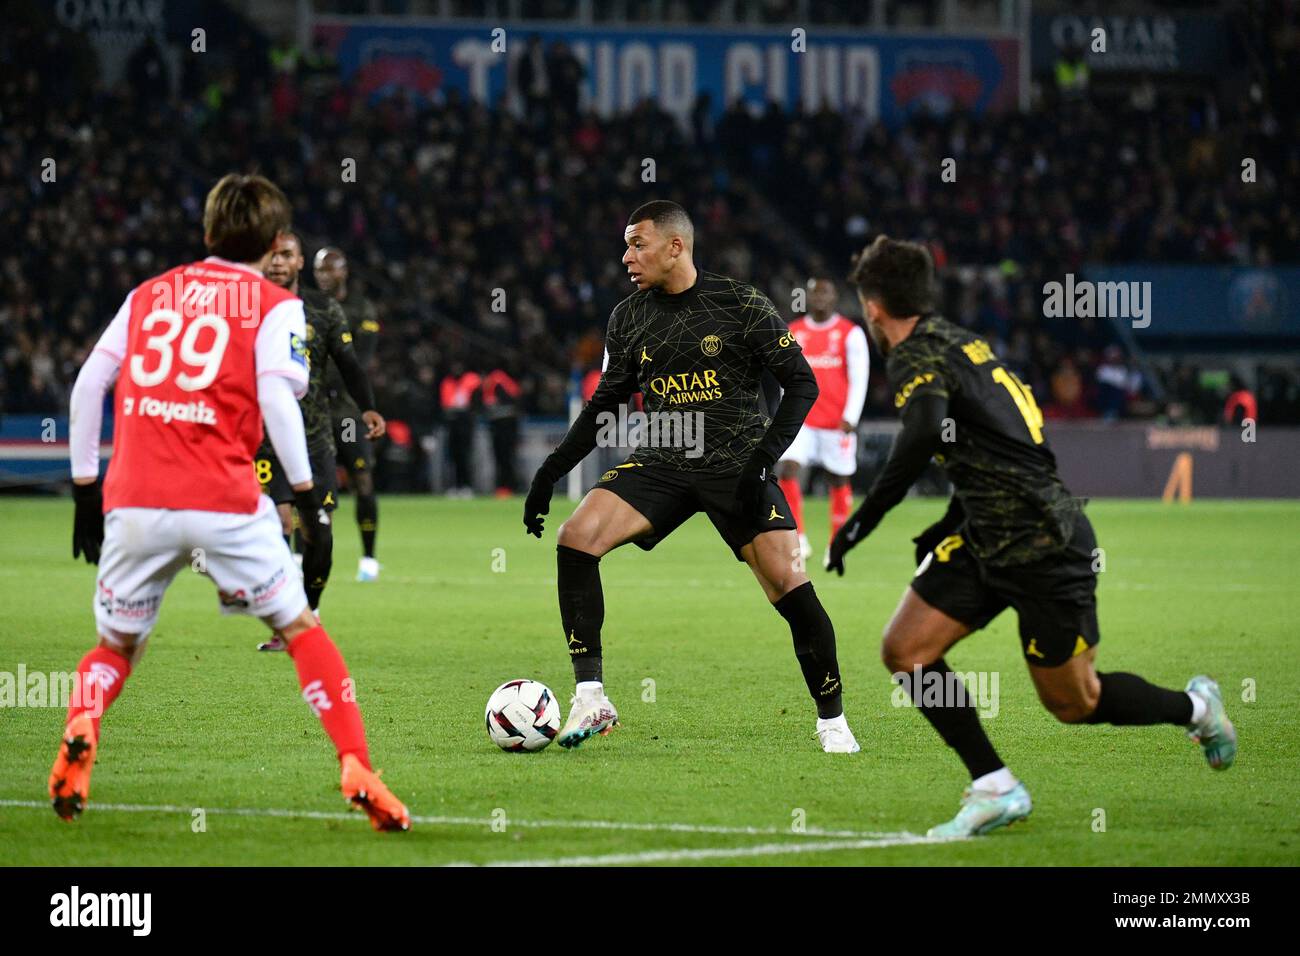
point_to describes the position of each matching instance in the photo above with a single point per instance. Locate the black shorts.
(358, 454)
(1055, 598)
(667, 497)
(275, 484)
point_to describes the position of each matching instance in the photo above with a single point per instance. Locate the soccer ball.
(522, 715)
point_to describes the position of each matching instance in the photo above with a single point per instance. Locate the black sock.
(582, 610)
(368, 522)
(1128, 700)
(814, 647)
(953, 716)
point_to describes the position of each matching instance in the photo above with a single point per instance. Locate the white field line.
(714, 829)
(718, 853)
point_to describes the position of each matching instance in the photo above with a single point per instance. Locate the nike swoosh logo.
(852, 533)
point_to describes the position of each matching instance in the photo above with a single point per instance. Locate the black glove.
(317, 531)
(538, 502)
(751, 486)
(844, 541)
(87, 521)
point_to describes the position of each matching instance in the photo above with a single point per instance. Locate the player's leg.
(356, 453)
(316, 566)
(246, 557)
(138, 560)
(775, 559)
(838, 452)
(363, 485)
(1074, 692)
(946, 601)
(1056, 602)
(607, 517)
(789, 478)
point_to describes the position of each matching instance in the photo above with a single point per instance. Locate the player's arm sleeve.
(282, 417)
(281, 347)
(779, 352)
(859, 368)
(367, 336)
(923, 417)
(86, 404)
(349, 365)
(617, 384)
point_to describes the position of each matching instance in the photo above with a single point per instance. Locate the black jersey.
(328, 337)
(363, 321)
(1002, 470)
(702, 351)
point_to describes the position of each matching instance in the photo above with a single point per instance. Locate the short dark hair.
(242, 216)
(899, 274)
(667, 217)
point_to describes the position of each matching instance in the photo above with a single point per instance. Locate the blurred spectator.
(501, 404)
(1240, 404)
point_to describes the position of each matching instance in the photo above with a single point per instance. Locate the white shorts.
(834, 450)
(244, 555)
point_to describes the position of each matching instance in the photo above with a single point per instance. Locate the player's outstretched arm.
(355, 380)
(617, 384)
(779, 352)
(923, 418)
(85, 420)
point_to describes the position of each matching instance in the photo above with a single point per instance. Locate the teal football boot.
(1215, 733)
(982, 811)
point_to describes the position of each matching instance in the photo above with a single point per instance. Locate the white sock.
(999, 781)
(1199, 709)
(590, 688)
(824, 722)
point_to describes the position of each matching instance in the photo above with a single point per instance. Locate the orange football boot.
(364, 788)
(70, 778)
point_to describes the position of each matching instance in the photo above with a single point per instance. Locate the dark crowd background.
(491, 241)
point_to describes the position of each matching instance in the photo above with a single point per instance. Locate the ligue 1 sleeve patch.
(297, 349)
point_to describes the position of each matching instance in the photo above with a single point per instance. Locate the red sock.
(794, 498)
(329, 691)
(100, 677)
(841, 506)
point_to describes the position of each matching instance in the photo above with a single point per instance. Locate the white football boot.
(591, 713)
(367, 569)
(835, 736)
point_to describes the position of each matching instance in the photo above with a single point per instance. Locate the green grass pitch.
(719, 765)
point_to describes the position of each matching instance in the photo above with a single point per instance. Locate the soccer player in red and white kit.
(207, 353)
(836, 348)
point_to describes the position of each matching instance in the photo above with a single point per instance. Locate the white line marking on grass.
(718, 853)
(714, 829)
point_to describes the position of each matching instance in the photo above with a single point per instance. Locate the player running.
(1012, 536)
(694, 343)
(355, 452)
(836, 348)
(329, 347)
(208, 352)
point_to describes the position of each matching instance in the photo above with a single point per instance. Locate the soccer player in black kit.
(329, 345)
(694, 343)
(1013, 536)
(355, 452)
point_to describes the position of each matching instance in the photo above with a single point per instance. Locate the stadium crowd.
(491, 241)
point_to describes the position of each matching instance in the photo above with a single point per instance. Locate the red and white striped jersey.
(191, 344)
(837, 351)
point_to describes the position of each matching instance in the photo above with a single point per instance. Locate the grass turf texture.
(206, 722)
